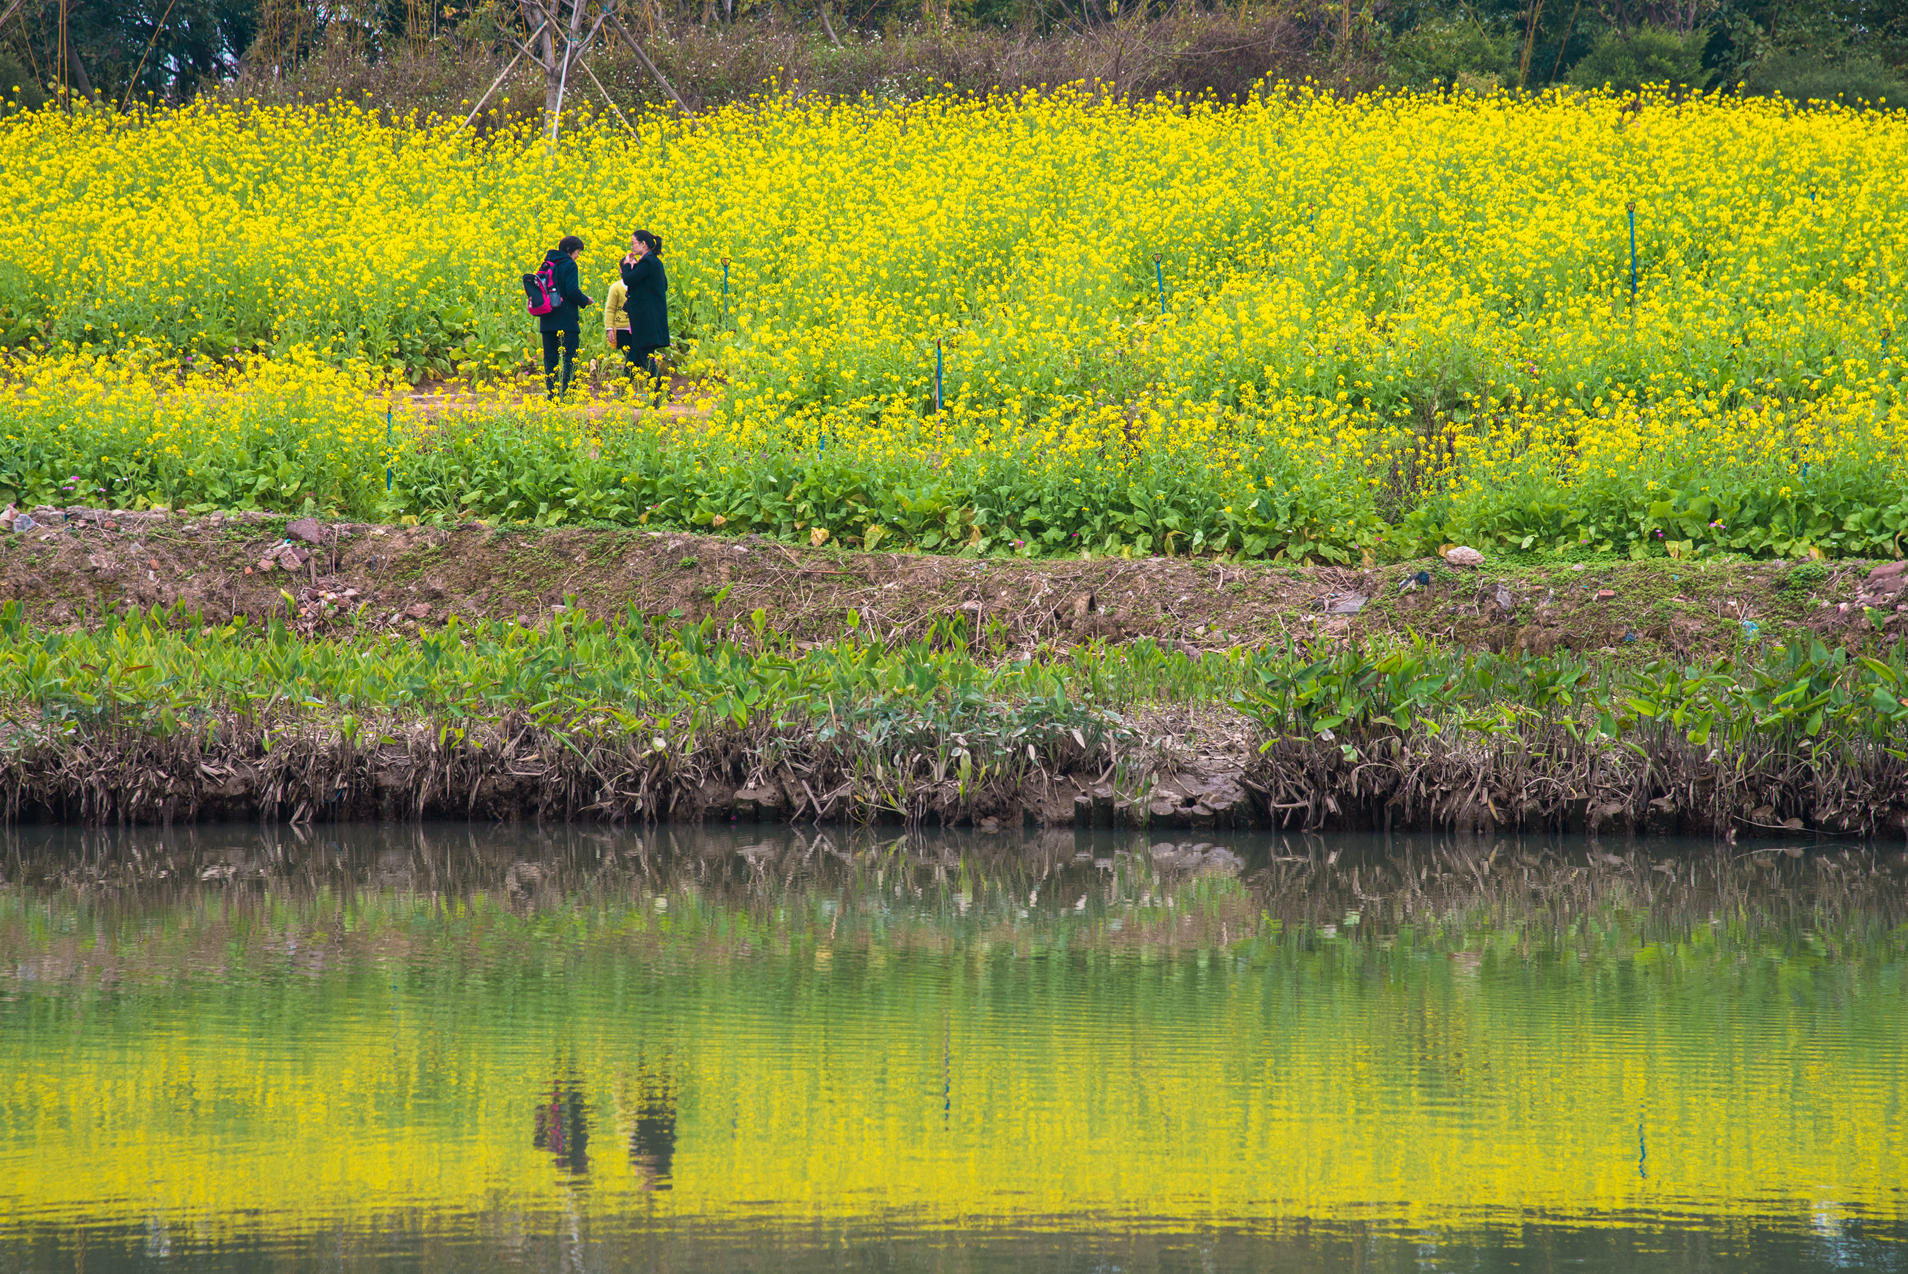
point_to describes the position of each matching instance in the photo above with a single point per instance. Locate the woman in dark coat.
(647, 303)
(562, 328)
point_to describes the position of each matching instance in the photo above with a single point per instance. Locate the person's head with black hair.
(651, 243)
(570, 244)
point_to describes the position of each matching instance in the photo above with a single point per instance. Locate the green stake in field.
(1159, 277)
(1632, 210)
(725, 292)
(937, 376)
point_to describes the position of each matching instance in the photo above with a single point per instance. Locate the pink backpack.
(540, 289)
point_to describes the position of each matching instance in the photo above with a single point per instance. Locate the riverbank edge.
(1178, 769)
(1186, 768)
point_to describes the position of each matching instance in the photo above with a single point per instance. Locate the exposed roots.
(1552, 781)
(297, 770)
(512, 769)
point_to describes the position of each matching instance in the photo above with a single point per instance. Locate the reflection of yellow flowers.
(432, 1108)
(1386, 295)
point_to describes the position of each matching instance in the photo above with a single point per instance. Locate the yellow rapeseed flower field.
(1304, 326)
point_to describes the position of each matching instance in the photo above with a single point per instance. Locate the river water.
(565, 1049)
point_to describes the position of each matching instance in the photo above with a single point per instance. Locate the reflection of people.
(652, 1139)
(563, 1129)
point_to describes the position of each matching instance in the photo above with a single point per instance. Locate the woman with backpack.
(562, 327)
(645, 306)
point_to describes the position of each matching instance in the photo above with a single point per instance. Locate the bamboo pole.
(585, 68)
(1530, 42)
(133, 84)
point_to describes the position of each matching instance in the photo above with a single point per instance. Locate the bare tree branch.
(585, 68)
(501, 76)
(637, 49)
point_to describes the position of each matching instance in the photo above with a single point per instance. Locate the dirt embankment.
(1188, 768)
(351, 577)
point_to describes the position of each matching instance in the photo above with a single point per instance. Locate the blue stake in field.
(1631, 206)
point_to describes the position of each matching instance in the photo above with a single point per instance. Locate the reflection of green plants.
(1049, 991)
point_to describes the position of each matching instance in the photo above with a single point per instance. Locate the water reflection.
(443, 1048)
(1326, 883)
(563, 1128)
(652, 1132)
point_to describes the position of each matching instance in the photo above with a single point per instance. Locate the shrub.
(1812, 76)
(1627, 60)
(19, 87)
(1441, 53)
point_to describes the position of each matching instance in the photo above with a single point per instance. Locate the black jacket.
(565, 317)
(648, 303)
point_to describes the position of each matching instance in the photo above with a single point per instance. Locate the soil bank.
(1186, 767)
(352, 577)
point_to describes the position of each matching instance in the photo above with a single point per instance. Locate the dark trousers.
(552, 342)
(638, 358)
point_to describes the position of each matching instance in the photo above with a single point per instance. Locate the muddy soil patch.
(344, 578)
